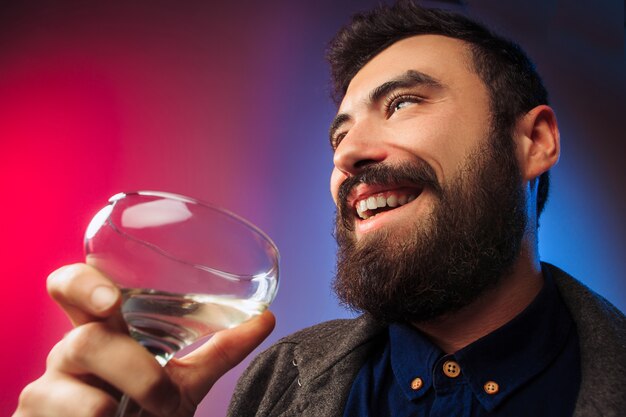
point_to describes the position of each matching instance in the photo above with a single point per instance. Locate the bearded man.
(442, 148)
(442, 144)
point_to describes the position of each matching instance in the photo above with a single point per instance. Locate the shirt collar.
(412, 356)
(510, 356)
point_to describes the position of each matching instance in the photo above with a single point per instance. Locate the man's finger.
(202, 367)
(94, 350)
(56, 394)
(83, 292)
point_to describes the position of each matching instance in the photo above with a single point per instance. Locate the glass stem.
(121, 408)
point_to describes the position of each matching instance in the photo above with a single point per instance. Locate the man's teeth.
(380, 201)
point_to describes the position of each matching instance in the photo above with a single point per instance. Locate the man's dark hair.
(513, 84)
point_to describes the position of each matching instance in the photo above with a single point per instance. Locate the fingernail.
(103, 297)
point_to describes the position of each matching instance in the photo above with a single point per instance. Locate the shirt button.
(491, 387)
(417, 383)
(451, 369)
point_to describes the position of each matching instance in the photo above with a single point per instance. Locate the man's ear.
(539, 144)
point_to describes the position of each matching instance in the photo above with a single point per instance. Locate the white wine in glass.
(186, 269)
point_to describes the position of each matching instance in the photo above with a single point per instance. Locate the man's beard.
(446, 260)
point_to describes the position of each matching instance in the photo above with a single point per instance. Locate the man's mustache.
(419, 173)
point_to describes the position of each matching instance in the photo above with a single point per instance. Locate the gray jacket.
(310, 373)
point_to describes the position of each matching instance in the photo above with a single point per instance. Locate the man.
(442, 146)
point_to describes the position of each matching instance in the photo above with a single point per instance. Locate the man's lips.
(369, 200)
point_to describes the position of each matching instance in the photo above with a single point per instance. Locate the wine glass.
(185, 269)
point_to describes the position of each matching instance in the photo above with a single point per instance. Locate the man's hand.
(92, 364)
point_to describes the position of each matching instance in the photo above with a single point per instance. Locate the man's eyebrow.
(409, 79)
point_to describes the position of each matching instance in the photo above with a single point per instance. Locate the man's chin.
(388, 238)
(393, 236)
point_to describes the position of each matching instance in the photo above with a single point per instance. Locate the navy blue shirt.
(528, 367)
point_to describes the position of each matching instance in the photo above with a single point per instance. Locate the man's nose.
(362, 146)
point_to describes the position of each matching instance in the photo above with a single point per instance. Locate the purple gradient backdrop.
(229, 103)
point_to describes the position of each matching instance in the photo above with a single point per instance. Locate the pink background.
(229, 103)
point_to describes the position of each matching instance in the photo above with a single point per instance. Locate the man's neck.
(492, 310)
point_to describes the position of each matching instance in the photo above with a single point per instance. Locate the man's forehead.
(435, 55)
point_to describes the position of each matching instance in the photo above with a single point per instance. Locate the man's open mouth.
(367, 206)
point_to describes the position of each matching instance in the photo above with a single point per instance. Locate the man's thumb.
(204, 366)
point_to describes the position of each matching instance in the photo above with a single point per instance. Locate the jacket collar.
(315, 356)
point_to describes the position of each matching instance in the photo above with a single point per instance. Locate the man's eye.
(400, 102)
(334, 143)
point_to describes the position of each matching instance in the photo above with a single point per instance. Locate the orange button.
(451, 369)
(491, 387)
(417, 383)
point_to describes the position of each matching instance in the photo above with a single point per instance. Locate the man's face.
(430, 204)
(416, 100)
